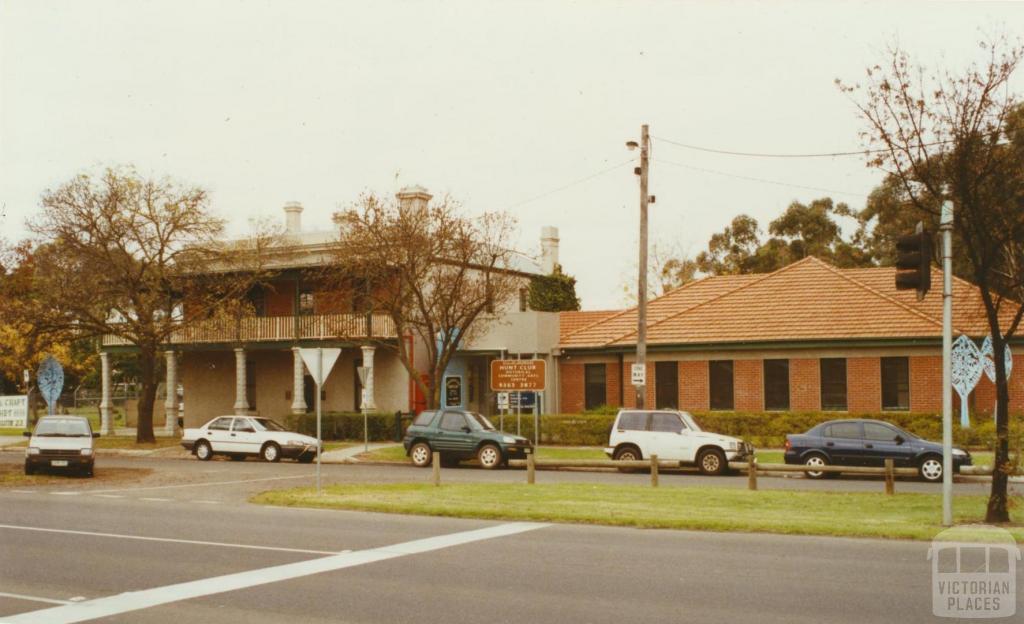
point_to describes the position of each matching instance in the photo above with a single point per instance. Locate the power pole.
(641, 294)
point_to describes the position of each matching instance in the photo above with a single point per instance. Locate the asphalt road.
(187, 547)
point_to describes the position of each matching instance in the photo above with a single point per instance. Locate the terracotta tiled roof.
(569, 322)
(808, 300)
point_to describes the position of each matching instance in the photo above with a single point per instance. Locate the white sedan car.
(241, 436)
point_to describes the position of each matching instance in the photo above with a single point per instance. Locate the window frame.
(679, 424)
(460, 415)
(833, 407)
(587, 383)
(659, 392)
(898, 383)
(712, 364)
(764, 383)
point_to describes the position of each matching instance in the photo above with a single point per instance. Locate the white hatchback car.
(241, 436)
(673, 436)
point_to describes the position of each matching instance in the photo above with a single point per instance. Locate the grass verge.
(128, 442)
(847, 514)
(13, 475)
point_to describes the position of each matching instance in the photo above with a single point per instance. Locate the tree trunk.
(998, 509)
(147, 376)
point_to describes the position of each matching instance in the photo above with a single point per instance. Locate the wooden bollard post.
(435, 464)
(654, 471)
(890, 478)
(531, 469)
(752, 473)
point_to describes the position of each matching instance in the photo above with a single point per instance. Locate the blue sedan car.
(859, 442)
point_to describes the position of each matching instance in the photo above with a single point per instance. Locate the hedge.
(762, 429)
(348, 425)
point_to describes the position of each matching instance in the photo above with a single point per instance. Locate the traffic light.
(913, 262)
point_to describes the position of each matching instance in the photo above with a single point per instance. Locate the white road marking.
(23, 491)
(110, 496)
(157, 500)
(34, 598)
(169, 539)
(65, 493)
(147, 598)
(186, 485)
(206, 502)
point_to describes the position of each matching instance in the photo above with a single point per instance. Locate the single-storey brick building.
(807, 337)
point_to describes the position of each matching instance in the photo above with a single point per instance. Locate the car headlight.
(298, 443)
(86, 451)
(32, 451)
(732, 446)
(959, 453)
(508, 439)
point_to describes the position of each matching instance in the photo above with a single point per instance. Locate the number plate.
(59, 462)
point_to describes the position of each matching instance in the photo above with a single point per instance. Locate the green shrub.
(762, 429)
(348, 425)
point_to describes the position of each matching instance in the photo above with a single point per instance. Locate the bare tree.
(960, 137)
(117, 256)
(435, 271)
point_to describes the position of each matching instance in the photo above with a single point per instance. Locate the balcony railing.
(278, 328)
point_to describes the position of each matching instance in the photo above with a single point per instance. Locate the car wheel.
(237, 457)
(931, 469)
(489, 456)
(87, 472)
(815, 461)
(711, 462)
(306, 459)
(420, 454)
(627, 453)
(29, 470)
(203, 451)
(270, 452)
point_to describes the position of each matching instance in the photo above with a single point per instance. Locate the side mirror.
(27, 434)
(95, 434)
(684, 431)
(466, 429)
(899, 439)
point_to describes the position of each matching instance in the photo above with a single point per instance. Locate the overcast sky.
(498, 104)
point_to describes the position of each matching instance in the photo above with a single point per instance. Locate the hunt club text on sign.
(527, 375)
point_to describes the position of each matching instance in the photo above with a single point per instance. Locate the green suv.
(459, 434)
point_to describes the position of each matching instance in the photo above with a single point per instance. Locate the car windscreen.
(479, 422)
(690, 421)
(63, 428)
(265, 424)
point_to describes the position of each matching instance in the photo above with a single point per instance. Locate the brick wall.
(693, 385)
(926, 383)
(864, 384)
(1016, 383)
(571, 382)
(748, 385)
(804, 385)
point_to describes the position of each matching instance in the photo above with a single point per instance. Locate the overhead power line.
(762, 180)
(570, 184)
(769, 155)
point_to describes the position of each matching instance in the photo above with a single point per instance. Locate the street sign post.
(364, 374)
(319, 362)
(639, 374)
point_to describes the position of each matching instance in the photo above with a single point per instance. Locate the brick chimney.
(293, 217)
(548, 249)
(415, 197)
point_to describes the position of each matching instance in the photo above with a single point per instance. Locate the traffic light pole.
(946, 227)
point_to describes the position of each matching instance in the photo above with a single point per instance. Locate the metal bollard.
(752, 473)
(531, 469)
(654, 471)
(435, 465)
(890, 478)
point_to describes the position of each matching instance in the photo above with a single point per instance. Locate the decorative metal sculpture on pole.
(967, 370)
(989, 361)
(50, 379)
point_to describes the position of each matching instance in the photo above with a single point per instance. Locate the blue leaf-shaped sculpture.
(50, 379)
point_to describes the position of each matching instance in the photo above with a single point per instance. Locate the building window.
(258, 299)
(776, 384)
(306, 303)
(833, 384)
(595, 394)
(524, 299)
(720, 380)
(895, 383)
(666, 385)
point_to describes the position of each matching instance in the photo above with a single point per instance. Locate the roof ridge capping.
(881, 295)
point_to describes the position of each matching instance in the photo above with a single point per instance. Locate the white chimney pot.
(293, 217)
